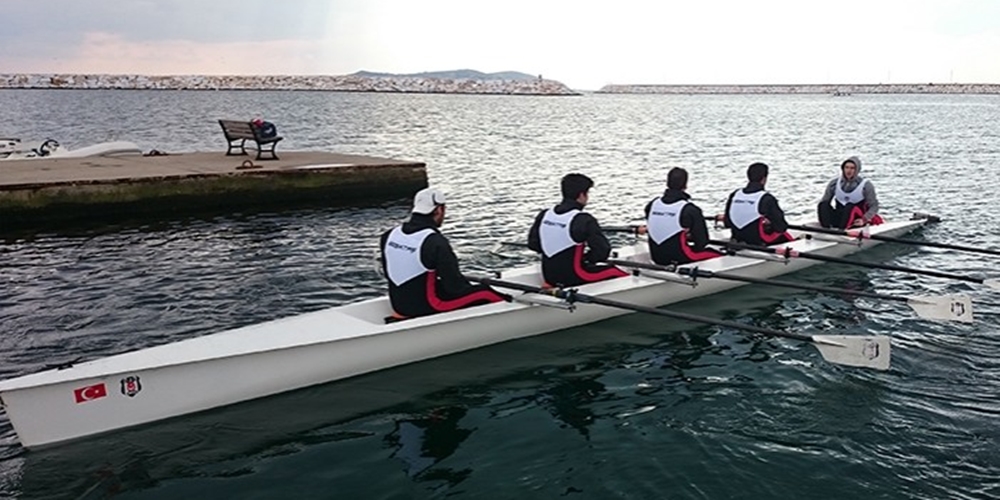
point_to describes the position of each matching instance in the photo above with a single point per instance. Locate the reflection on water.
(631, 407)
(422, 442)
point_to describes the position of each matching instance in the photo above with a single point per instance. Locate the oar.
(864, 234)
(944, 307)
(517, 244)
(848, 350)
(789, 252)
(620, 229)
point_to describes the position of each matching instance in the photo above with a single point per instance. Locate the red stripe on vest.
(589, 277)
(696, 256)
(771, 237)
(441, 305)
(859, 212)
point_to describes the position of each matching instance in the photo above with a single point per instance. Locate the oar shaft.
(703, 273)
(822, 230)
(856, 233)
(590, 299)
(515, 286)
(935, 244)
(838, 260)
(620, 229)
(516, 244)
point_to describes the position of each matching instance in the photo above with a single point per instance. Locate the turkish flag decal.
(90, 393)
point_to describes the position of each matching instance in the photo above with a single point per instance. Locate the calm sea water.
(635, 407)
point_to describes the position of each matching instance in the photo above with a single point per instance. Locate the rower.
(675, 226)
(570, 240)
(753, 214)
(421, 267)
(855, 203)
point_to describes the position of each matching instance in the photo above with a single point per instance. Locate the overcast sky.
(585, 44)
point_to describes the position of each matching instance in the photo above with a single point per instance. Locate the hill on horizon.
(457, 74)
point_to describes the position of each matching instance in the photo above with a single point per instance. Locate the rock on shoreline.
(345, 83)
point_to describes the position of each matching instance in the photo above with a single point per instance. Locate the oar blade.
(855, 350)
(992, 283)
(943, 308)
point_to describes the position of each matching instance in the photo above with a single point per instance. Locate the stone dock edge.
(42, 192)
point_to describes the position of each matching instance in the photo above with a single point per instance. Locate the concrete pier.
(38, 191)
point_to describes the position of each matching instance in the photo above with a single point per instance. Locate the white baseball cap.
(427, 200)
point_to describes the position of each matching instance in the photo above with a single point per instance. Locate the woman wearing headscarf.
(854, 200)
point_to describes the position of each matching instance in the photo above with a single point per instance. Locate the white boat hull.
(286, 354)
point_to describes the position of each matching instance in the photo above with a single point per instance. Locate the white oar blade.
(943, 308)
(994, 284)
(854, 350)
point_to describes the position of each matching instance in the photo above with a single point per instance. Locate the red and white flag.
(90, 393)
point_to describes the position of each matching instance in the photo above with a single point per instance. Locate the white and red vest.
(855, 196)
(745, 208)
(554, 232)
(664, 221)
(402, 255)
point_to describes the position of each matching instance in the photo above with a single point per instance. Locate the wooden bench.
(242, 131)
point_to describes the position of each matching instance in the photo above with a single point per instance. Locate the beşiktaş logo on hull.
(399, 246)
(131, 386)
(557, 224)
(90, 393)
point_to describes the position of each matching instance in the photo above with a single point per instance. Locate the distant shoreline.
(830, 89)
(322, 83)
(408, 84)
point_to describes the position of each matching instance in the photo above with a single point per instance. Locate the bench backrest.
(237, 129)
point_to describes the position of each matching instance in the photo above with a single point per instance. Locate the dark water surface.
(634, 407)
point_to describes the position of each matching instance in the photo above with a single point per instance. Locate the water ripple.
(634, 407)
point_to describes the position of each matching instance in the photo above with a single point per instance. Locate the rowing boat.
(250, 362)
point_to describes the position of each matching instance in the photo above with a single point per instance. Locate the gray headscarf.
(849, 185)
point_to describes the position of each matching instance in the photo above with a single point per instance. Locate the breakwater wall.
(346, 83)
(833, 89)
